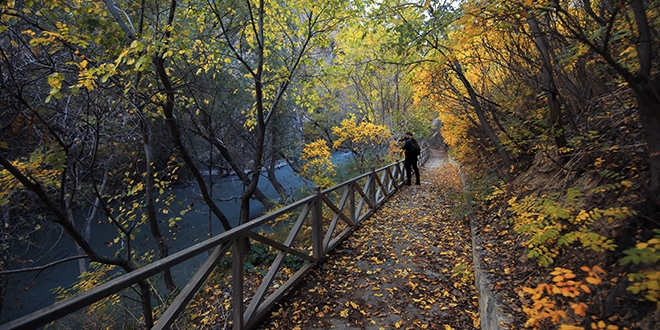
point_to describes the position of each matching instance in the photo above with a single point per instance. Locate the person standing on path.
(411, 151)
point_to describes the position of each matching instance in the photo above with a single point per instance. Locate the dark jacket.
(407, 149)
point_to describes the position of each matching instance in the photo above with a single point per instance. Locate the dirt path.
(407, 267)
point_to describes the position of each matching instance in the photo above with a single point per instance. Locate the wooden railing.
(317, 224)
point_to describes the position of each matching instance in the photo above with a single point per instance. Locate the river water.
(27, 292)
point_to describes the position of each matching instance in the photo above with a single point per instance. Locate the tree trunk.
(485, 126)
(556, 127)
(87, 227)
(258, 194)
(273, 179)
(149, 188)
(650, 125)
(168, 112)
(647, 90)
(82, 263)
(272, 166)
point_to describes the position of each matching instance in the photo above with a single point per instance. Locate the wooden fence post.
(237, 278)
(351, 192)
(372, 191)
(317, 224)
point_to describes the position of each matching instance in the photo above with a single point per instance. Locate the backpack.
(415, 149)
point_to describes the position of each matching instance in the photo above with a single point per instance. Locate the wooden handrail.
(372, 191)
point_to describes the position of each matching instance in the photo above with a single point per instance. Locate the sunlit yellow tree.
(366, 141)
(318, 164)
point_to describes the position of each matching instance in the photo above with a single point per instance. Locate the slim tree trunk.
(168, 112)
(272, 166)
(258, 194)
(647, 90)
(151, 208)
(485, 126)
(87, 227)
(261, 123)
(273, 179)
(556, 127)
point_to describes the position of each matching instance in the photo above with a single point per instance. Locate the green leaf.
(625, 260)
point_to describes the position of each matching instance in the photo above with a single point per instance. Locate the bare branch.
(39, 268)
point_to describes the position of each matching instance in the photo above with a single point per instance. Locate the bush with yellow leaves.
(318, 167)
(549, 306)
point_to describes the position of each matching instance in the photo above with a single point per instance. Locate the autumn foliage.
(550, 107)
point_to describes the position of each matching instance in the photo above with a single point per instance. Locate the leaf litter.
(408, 266)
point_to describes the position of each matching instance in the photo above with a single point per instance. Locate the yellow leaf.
(570, 327)
(557, 271)
(448, 327)
(398, 324)
(579, 308)
(344, 313)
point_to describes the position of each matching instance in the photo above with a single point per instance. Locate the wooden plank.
(365, 198)
(261, 291)
(299, 223)
(189, 291)
(342, 236)
(372, 189)
(317, 225)
(351, 190)
(338, 215)
(237, 284)
(390, 182)
(277, 295)
(379, 188)
(335, 209)
(279, 246)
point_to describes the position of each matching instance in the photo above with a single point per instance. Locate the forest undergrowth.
(567, 240)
